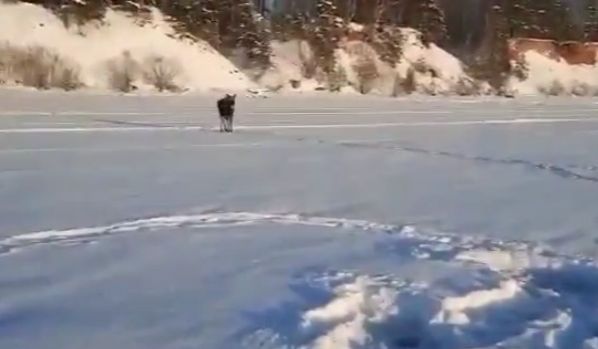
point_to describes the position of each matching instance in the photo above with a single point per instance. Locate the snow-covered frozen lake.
(323, 222)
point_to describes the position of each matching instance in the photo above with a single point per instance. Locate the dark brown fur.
(226, 109)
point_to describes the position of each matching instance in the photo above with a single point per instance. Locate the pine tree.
(386, 38)
(78, 13)
(591, 23)
(496, 65)
(540, 25)
(230, 25)
(560, 15)
(196, 17)
(298, 24)
(205, 21)
(251, 33)
(364, 11)
(225, 24)
(345, 9)
(524, 18)
(516, 12)
(326, 34)
(428, 18)
(390, 11)
(504, 31)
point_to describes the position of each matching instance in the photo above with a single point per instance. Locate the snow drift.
(102, 55)
(552, 67)
(554, 76)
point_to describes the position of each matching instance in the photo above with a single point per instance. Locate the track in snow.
(567, 172)
(128, 126)
(519, 293)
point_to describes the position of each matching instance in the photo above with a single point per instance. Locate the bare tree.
(122, 72)
(162, 73)
(367, 73)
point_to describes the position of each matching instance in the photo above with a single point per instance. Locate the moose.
(226, 109)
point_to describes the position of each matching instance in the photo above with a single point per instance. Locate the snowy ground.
(126, 222)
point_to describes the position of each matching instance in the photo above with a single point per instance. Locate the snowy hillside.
(106, 55)
(126, 52)
(548, 76)
(434, 70)
(101, 54)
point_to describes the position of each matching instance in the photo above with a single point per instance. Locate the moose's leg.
(230, 126)
(222, 124)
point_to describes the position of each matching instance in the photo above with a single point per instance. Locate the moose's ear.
(234, 96)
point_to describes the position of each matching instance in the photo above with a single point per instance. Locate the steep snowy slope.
(119, 43)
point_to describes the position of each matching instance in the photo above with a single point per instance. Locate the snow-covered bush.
(122, 72)
(161, 73)
(367, 73)
(37, 67)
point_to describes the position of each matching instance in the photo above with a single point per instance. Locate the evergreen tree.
(78, 13)
(251, 33)
(516, 12)
(203, 19)
(540, 25)
(326, 34)
(426, 16)
(345, 9)
(391, 11)
(364, 11)
(496, 65)
(562, 29)
(591, 22)
(386, 38)
(504, 31)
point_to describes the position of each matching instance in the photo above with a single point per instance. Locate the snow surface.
(126, 222)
